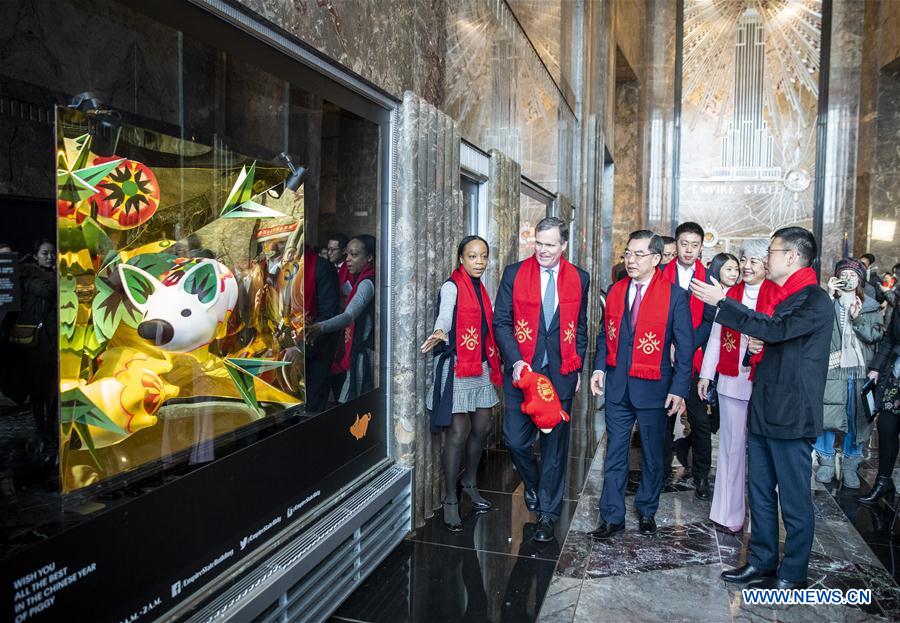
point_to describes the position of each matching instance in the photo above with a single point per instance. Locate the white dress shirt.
(632, 290)
(684, 276)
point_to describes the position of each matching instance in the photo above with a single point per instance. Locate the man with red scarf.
(792, 328)
(540, 323)
(646, 316)
(688, 248)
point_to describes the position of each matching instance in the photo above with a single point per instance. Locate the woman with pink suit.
(728, 507)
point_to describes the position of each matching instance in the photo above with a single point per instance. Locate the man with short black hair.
(540, 323)
(645, 317)
(689, 248)
(794, 324)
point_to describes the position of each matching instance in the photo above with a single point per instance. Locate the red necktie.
(636, 305)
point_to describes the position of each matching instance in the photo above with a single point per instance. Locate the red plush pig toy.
(541, 403)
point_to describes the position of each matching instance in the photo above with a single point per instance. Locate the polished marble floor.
(492, 571)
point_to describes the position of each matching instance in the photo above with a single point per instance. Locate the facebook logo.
(176, 588)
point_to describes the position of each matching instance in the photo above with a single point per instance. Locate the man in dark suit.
(642, 382)
(785, 412)
(321, 301)
(540, 323)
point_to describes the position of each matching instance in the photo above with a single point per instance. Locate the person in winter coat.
(885, 370)
(857, 328)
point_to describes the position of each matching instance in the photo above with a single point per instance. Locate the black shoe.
(747, 573)
(451, 516)
(667, 479)
(478, 502)
(531, 500)
(773, 582)
(884, 488)
(647, 525)
(544, 531)
(606, 530)
(682, 447)
(701, 488)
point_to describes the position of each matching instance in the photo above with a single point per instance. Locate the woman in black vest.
(467, 366)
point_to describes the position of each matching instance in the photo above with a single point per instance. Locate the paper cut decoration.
(257, 366)
(74, 180)
(244, 383)
(78, 412)
(240, 204)
(128, 196)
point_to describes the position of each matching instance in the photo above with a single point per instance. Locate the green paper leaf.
(98, 243)
(251, 209)
(244, 384)
(241, 191)
(68, 305)
(203, 282)
(85, 434)
(257, 366)
(155, 263)
(78, 408)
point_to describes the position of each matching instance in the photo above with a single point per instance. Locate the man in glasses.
(792, 331)
(645, 316)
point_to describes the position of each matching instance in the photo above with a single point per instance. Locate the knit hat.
(849, 263)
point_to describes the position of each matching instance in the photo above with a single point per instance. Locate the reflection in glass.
(530, 212)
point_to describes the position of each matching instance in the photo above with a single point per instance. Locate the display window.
(191, 288)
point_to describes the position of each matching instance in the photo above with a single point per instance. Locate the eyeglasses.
(637, 254)
(770, 251)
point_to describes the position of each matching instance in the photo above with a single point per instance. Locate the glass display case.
(186, 373)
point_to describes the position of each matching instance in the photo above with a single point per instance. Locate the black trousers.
(548, 478)
(701, 432)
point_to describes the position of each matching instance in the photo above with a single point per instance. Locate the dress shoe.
(606, 530)
(544, 531)
(884, 488)
(647, 525)
(531, 500)
(478, 502)
(777, 583)
(667, 479)
(747, 573)
(452, 521)
(701, 488)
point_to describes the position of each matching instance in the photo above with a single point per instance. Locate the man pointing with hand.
(645, 316)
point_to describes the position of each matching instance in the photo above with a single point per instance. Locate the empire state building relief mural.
(750, 88)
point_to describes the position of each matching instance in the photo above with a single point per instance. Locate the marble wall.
(627, 157)
(884, 191)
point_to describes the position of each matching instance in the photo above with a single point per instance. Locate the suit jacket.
(547, 338)
(675, 379)
(789, 385)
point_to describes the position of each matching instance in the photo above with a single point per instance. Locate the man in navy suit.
(642, 381)
(540, 323)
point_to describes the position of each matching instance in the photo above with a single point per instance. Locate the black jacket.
(789, 386)
(889, 348)
(547, 338)
(675, 379)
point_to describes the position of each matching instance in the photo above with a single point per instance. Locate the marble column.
(659, 125)
(426, 227)
(842, 131)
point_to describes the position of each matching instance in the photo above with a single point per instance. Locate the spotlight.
(104, 125)
(295, 179)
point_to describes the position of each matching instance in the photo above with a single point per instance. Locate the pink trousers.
(728, 506)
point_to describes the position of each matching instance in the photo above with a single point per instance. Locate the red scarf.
(775, 296)
(650, 332)
(527, 310)
(310, 304)
(342, 356)
(730, 341)
(671, 273)
(468, 329)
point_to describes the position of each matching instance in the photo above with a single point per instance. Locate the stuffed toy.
(541, 402)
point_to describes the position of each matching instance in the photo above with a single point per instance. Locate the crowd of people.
(749, 346)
